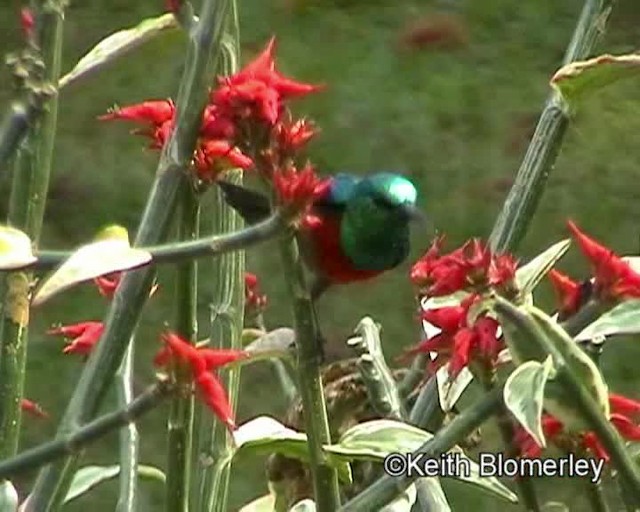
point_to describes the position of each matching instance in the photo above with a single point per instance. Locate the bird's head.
(393, 192)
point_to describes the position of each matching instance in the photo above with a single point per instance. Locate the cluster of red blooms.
(613, 278)
(202, 362)
(253, 299)
(473, 268)
(624, 416)
(246, 113)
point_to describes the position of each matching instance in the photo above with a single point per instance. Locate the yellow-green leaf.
(573, 81)
(15, 249)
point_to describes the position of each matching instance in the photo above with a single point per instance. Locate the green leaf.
(111, 252)
(524, 396)
(404, 502)
(304, 506)
(531, 334)
(528, 276)
(264, 435)
(577, 79)
(278, 343)
(622, 319)
(8, 497)
(88, 477)
(118, 44)
(15, 249)
(376, 439)
(264, 503)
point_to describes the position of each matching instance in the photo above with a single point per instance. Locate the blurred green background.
(446, 92)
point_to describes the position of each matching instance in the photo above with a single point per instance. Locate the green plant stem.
(385, 399)
(226, 322)
(26, 209)
(524, 196)
(387, 488)
(526, 487)
(325, 479)
(381, 385)
(203, 247)
(52, 483)
(596, 496)
(227, 314)
(89, 433)
(129, 439)
(586, 315)
(180, 423)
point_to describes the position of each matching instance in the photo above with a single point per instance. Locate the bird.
(358, 228)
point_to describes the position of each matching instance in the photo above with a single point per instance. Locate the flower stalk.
(527, 190)
(124, 312)
(129, 437)
(26, 209)
(180, 423)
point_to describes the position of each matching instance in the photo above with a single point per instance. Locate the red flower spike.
(625, 426)
(463, 342)
(567, 291)
(83, 336)
(591, 442)
(216, 156)
(108, 284)
(154, 112)
(215, 358)
(614, 278)
(502, 270)
(291, 137)
(33, 408)
(448, 318)
(623, 405)
(252, 296)
(27, 22)
(183, 351)
(215, 397)
(257, 91)
(297, 189)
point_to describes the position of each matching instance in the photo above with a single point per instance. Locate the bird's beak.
(415, 213)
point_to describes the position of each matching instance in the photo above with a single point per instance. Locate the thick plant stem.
(180, 426)
(87, 434)
(227, 314)
(129, 438)
(26, 209)
(387, 488)
(226, 324)
(526, 192)
(133, 291)
(325, 479)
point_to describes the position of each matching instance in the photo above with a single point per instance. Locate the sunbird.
(356, 230)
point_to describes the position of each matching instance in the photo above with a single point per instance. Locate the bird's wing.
(252, 206)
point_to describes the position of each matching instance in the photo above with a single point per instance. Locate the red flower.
(291, 136)
(472, 266)
(173, 6)
(459, 342)
(622, 408)
(152, 112)
(27, 22)
(84, 336)
(33, 408)
(258, 90)
(108, 284)
(216, 156)
(297, 189)
(568, 292)
(614, 278)
(252, 296)
(202, 361)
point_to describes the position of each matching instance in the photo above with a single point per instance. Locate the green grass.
(455, 121)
